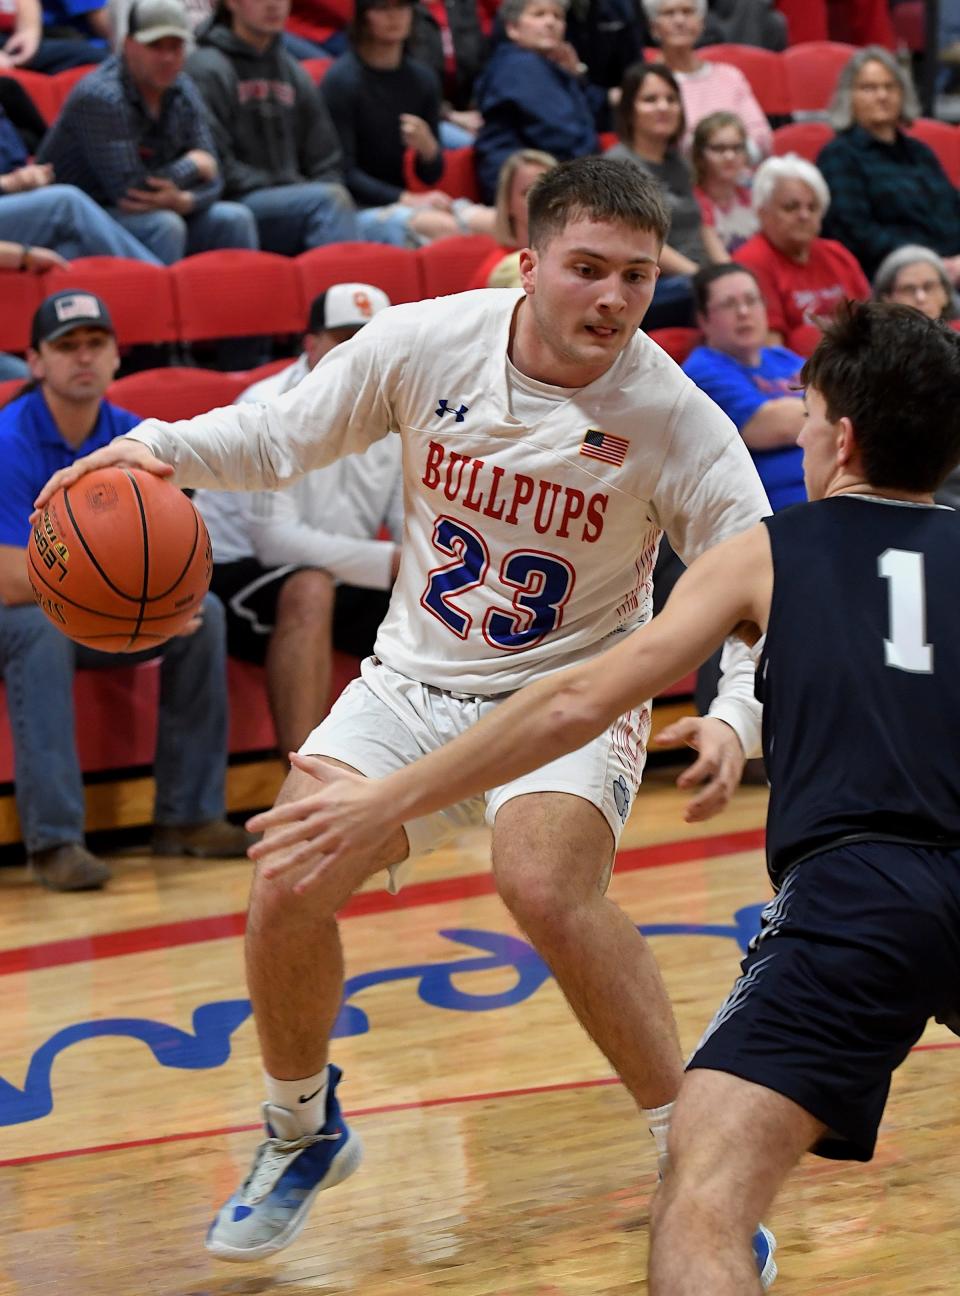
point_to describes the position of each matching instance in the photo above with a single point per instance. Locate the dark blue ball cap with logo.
(68, 310)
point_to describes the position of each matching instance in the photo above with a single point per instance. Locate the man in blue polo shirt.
(756, 385)
(62, 415)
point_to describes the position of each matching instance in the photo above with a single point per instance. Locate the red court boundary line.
(194, 931)
(450, 1101)
(386, 1108)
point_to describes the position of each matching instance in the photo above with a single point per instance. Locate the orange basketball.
(120, 560)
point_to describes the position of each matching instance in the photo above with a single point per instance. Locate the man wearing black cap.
(61, 416)
(134, 135)
(304, 570)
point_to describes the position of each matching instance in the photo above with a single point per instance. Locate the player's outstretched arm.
(122, 452)
(725, 588)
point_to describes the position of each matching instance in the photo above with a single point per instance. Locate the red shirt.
(797, 293)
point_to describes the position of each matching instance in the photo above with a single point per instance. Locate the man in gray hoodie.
(278, 148)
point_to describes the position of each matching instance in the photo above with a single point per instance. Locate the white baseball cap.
(152, 20)
(346, 305)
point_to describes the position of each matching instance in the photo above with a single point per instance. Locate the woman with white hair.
(803, 277)
(706, 87)
(915, 276)
(888, 188)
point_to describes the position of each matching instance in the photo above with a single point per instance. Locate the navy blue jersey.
(860, 676)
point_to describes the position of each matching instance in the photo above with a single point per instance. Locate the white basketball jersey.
(524, 547)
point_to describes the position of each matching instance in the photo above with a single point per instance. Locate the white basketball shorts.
(384, 721)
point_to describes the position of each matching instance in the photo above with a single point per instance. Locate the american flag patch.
(605, 446)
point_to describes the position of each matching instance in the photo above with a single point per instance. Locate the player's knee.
(533, 896)
(306, 598)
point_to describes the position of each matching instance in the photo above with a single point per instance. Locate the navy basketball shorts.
(858, 950)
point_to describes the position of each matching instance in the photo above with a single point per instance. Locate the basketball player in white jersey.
(547, 445)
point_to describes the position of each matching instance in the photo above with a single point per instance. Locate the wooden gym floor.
(502, 1160)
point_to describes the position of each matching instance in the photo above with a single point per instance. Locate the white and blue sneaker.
(289, 1168)
(764, 1245)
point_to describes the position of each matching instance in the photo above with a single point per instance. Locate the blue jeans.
(38, 662)
(386, 225)
(171, 237)
(12, 367)
(64, 218)
(293, 218)
(57, 53)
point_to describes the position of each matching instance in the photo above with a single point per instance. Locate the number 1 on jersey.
(907, 648)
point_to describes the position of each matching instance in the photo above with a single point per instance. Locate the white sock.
(305, 1099)
(658, 1118)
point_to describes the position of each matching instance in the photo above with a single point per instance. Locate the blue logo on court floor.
(438, 984)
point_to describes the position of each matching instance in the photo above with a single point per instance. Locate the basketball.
(120, 560)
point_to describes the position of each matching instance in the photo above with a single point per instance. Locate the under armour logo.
(444, 408)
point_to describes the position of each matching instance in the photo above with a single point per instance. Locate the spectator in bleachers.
(757, 385)
(36, 211)
(54, 36)
(746, 22)
(448, 36)
(719, 160)
(134, 135)
(706, 86)
(887, 188)
(915, 276)
(608, 36)
(530, 93)
(73, 358)
(650, 125)
(279, 149)
(501, 269)
(804, 277)
(304, 570)
(382, 103)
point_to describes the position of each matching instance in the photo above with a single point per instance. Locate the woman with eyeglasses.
(719, 158)
(916, 276)
(804, 277)
(650, 125)
(677, 26)
(888, 188)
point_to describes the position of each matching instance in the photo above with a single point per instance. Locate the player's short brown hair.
(895, 374)
(599, 189)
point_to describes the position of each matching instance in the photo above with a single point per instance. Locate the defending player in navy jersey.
(853, 599)
(547, 445)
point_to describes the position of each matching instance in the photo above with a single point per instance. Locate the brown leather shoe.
(69, 867)
(217, 839)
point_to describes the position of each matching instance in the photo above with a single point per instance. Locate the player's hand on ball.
(717, 769)
(336, 829)
(121, 452)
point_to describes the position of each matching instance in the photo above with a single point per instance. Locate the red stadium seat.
(251, 376)
(459, 178)
(65, 81)
(811, 71)
(20, 295)
(317, 68)
(393, 269)
(448, 266)
(176, 393)
(139, 296)
(237, 293)
(805, 138)
(944, 139)
(677, 342)
(41, 89)
(763, 70)
(8, 389)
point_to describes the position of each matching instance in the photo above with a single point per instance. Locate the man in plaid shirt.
(134, 135)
